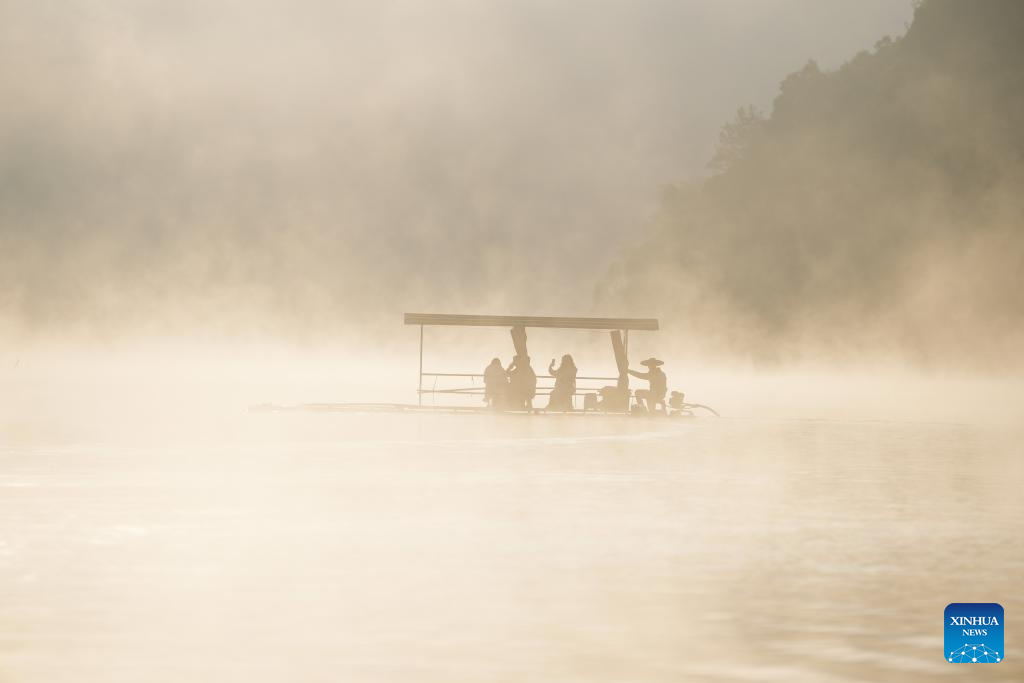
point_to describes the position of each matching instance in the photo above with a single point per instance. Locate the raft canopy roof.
(647, 324)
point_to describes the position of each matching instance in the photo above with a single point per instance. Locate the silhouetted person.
(613, 399)
(565, 384)
(522, 384)
(495, 384)
(654, 395)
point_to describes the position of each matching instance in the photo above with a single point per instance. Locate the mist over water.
(297, 169)
(441, 547)
(209, 208)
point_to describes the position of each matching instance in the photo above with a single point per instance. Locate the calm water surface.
(487, 548)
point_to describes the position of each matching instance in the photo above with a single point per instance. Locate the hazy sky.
(282, 155)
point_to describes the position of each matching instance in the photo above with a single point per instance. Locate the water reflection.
(451, 548)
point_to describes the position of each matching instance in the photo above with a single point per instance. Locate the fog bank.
(261, 168)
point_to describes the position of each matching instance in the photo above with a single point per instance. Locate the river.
(384, 547)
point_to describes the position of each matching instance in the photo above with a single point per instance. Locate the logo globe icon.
(971, 654)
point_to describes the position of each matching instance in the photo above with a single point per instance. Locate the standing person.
(657, 384)
(495, 384)
(565, 384)
(522, 383)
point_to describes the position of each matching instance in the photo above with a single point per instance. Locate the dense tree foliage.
(878, 206)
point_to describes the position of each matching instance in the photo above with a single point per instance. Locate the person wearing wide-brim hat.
(654, 395)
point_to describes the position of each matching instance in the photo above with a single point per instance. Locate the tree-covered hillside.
(878, 207)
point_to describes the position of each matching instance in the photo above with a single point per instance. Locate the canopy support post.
(419, 389)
